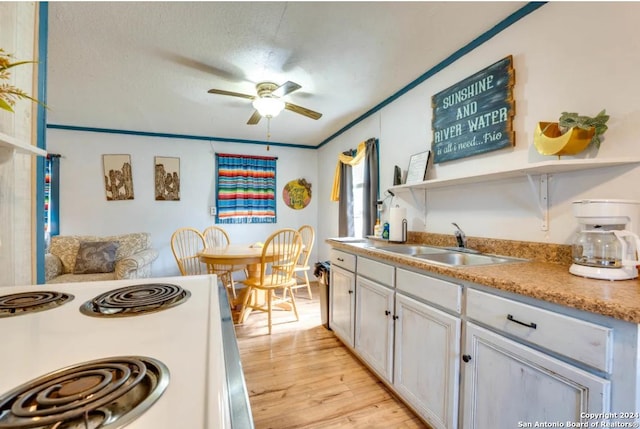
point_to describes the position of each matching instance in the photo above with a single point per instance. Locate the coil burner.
(31, 302)
(104, 393)
(135, 300)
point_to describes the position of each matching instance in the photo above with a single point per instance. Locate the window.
(358, 199)
(355, 188)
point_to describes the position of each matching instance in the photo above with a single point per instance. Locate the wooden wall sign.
(475, 115)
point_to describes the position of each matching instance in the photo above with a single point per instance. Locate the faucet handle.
(460, 237)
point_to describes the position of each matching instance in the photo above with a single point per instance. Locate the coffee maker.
(607, 245)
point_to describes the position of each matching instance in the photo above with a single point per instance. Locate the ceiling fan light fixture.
(268, 107)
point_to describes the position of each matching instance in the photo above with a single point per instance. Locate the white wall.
(85, 210)
(568, 56)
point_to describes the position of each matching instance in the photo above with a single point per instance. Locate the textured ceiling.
(147, 66)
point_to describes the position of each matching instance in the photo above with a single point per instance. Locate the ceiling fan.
(268, 101)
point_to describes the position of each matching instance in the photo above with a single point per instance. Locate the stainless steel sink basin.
(457, 259)
(410, 249)
(448, 256)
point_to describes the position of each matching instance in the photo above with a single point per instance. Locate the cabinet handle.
(466, 358)
(340, 259)
(528, 325)
(350, 291)
(387, 312)
(396, 317)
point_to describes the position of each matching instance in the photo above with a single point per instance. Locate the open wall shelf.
(539, 168)
(15, 144)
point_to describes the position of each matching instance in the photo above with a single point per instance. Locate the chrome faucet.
(460, 237)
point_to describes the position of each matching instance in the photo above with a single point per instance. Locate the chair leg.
(233, 284)
(245, 301)
(293, 304)
(306, 279)
(269, 300)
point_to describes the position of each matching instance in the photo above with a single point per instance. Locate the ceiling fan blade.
(233, 94)
(302, 111)
(286, 88)
(255, 118)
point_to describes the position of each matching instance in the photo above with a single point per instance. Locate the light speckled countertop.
(546, 276)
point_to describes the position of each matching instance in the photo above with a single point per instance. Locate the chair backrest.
(280, 254)
(308, 236)
(214, 236)
(185, 245)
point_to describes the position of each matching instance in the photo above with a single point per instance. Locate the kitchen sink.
(457, 259)
(449, 256)
(410, 249)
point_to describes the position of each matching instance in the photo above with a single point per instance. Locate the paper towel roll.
(397, 216)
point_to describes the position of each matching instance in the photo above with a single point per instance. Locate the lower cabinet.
(342, 308)
(374, 326)
(510, 385)
(513, 364)
(427, 349)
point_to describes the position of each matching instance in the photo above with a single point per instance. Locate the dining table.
(249, 255)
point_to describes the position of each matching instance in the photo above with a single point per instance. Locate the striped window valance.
(246, 187)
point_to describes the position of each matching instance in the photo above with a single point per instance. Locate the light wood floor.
(301, 376)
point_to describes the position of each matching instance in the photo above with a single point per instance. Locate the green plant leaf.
(19, 63)
(5, 106)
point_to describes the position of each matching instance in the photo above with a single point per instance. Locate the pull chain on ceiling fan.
(268, 102)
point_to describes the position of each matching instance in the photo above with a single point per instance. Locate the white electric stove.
(190, 376)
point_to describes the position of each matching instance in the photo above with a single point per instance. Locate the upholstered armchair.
(75, 258)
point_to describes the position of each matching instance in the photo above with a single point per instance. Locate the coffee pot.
(603, 248)
(598, 251)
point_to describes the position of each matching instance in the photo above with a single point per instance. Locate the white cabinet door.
(509, 385)
(341, 311)
(427, 348)
(374, 325)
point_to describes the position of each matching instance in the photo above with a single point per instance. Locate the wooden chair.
(302, 268)
(216, 237)
(279, 256)
(185, 245)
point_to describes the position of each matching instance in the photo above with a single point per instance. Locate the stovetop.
(18, 304)
(103, 393)
(135, 300)
(185, 337)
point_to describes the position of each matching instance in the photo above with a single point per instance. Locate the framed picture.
(167, 180)
(118, 179)
(417, 171)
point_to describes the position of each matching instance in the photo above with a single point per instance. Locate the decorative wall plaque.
(297, 194)
(167, 178)
(417, 171)
(475, 115)
(118, 177)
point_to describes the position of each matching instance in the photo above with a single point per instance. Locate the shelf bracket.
(423, 203)
(541, 191)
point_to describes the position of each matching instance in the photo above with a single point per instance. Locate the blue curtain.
(52, 196)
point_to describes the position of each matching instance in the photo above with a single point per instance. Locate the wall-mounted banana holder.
(549, 140)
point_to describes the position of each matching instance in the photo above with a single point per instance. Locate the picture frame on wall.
(417, 171)
(167, 178)
(118, 177)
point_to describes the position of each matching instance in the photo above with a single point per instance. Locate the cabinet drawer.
(577, 339)
(436, 291)
(374, 270)
(343, 259)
